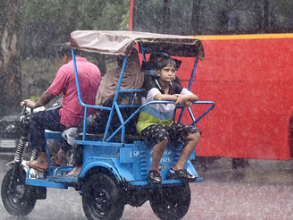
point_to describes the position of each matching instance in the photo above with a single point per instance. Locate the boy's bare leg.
(193, 140)
(76, 170)
(158, 151)
(58, 158)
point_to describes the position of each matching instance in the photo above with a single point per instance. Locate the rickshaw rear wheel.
(102, 197)
(19, 199)
(171, 202)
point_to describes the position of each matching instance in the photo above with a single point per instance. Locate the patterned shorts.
(175, 132)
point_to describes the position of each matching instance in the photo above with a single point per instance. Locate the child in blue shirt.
(156, 121)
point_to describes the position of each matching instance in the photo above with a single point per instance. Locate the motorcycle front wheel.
(18, 198)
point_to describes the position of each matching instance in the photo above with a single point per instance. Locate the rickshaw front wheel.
(102, 198)
(171, 202)
(18, 198)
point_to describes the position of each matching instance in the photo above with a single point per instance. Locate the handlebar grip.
(22, 103)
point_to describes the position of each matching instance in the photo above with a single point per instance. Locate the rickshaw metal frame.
(123, 164)
(122, 147)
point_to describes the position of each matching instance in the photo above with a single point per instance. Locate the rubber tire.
(172, 203)
(23, 201)
(102, 198)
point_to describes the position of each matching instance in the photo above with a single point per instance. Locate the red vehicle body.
(250, 78)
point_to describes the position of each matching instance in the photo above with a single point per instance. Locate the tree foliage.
(29, 29)
(51, 21)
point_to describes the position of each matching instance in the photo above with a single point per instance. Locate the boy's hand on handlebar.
(188, 104)
(29, 103)
(181, 99)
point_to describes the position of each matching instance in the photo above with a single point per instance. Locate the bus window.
(181, 17)
(225, 16)
(209, 17)
(280, 16)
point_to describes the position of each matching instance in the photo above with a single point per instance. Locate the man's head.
(65, 54)
(64, 50)
(166, 70)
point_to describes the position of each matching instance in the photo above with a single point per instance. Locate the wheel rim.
(101, 197)
(18, 198)
(170, 205)
(16, 194)
(101, 204)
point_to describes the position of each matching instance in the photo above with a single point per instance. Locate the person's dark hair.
(65, 49)
(157, 55)
(166, 62)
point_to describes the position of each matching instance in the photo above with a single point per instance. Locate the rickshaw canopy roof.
(122, 42)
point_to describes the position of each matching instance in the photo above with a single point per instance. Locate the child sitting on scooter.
(156, 121)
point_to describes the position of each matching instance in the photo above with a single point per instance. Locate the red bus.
(248, 70)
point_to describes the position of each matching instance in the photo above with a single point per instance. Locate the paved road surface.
(262, 191)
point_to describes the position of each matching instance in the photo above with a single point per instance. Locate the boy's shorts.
(175, 132)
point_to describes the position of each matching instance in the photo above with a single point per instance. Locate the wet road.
(262, 191)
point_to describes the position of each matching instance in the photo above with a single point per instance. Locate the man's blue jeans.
(39, 122)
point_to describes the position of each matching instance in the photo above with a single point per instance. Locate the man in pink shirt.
(71, 112)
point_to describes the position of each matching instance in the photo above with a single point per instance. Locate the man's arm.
(45, 99)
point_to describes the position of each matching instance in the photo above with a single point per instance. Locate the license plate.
(7, 143)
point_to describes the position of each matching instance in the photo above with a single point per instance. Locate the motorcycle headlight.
(10, 128)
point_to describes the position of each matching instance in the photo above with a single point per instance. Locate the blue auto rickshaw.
(115, 163)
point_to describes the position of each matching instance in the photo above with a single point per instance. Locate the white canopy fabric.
(122, 42)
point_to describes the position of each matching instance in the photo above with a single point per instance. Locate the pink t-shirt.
(89, 77)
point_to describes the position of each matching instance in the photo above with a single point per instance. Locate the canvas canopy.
(122, 42)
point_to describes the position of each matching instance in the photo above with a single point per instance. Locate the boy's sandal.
(181, 174)
(154, 177)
